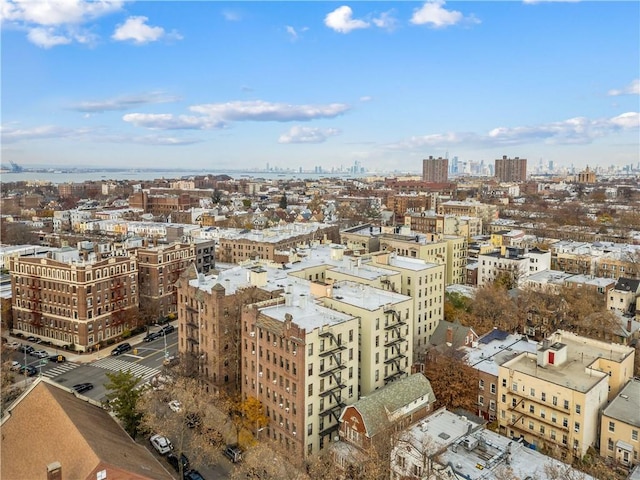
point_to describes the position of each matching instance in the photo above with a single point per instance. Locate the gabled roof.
(460, 332)
(50, 424)
(378, 408)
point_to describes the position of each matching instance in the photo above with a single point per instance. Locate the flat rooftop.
(306, 314)
(364, 296)
(487, 357)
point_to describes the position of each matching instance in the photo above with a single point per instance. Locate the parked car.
(193, 475)
(151, 336)
(175, 405)
(33, 339)
(233, 452)
(13, 345)
(82, 387)
(175, 463)
(120, 349)
(57, 358)
(161, 443)
(40, 354)
(167, 329)
(26, 348)
(29, 370)
(15, 366)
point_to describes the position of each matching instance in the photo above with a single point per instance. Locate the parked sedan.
(40, 354)
(167, 329)
(15, 366)
(175, 463)
(82, 387)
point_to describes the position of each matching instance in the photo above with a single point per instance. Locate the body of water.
(82, 176)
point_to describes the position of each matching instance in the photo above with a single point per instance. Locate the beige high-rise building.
(435, 170)
(511, 169)
(552, 398)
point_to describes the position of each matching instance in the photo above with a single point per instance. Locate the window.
(541, 429)
(555, 400)
(504, 382)
(493, 388)
(533, 392)
(610, 444)
(552, 435)
(492, 405)
(532, 409)
(565, 422)
(566, 404)
(481, 384)
(503, 398)
(578, 408)
(310, 429)
(543, 396)
(634, 435)
(531, 425)
(417, 470)
(576, 427)
(514, 387)
(310, 389)
(612, 426)
(543, 414)
(480, 400)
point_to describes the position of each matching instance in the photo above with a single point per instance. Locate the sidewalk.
(93, 356)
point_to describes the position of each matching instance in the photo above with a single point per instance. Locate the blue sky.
(225, 85)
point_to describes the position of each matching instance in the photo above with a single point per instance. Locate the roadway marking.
(117, 365)
(60, 369)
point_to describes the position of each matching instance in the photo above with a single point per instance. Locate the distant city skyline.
(377, 86)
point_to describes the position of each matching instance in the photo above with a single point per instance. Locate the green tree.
(123, 399)
(283, 201)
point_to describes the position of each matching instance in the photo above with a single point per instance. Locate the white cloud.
(13, 135)
(136, 30)
(55, 22)
(265, 111)
(300, 134)
(341, 20)
(386, 21)
(578, 130)
(124, 102)
(168, 121)
(366, 98)
(57, 12)
(632, 89)
(47, 37)
(434, 14)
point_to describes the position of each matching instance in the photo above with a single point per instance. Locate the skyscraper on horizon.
(435, 170)
(511, 169)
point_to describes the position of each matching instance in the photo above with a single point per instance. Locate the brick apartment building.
(162, 204)
(300, 360)
(160, 268)
(435, 170)
(511, 169)
(74, 302)
(209, 309)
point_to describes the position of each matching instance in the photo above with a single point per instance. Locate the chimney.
(629, 325)
(54, 471)
(450, 335)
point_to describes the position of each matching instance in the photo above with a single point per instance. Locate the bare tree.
(191, 421)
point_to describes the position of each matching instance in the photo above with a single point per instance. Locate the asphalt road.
(144, 360)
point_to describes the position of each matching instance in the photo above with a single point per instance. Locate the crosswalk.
(116, 365)
(60, 369)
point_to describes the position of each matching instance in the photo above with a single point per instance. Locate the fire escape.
(333, 392)
(119, 314)
(394, 345)
(34, 296)
(193, 338)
